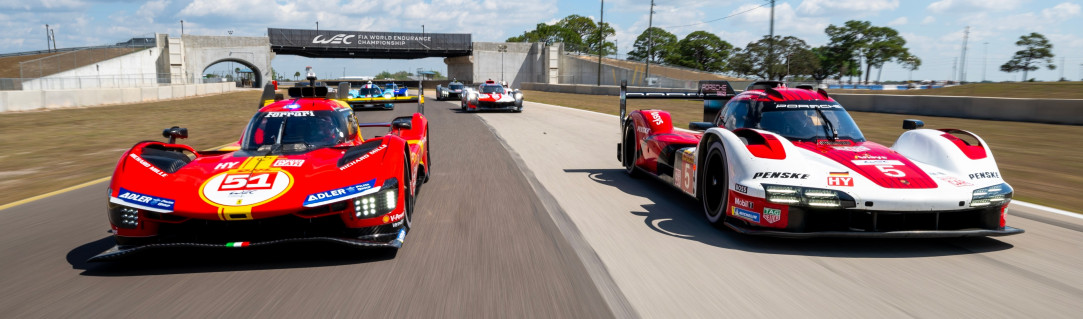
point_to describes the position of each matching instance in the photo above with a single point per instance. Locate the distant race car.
(789, 162)
(454, 90)
(492, 96)
(369, 96)
(300, 172)
(395, 89)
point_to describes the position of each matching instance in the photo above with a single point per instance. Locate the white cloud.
(928, 20)
(898, 22)
(948, 6)
(836, 7)
(1061, 12)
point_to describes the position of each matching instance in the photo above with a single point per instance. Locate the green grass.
(1038, 90)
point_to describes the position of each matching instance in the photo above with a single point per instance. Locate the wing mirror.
(173, 133)
(402, 123)
(700, 126)
(911, 124)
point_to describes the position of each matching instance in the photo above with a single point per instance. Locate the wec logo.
(336, 39)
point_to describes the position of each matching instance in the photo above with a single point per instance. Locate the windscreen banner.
(332, 39)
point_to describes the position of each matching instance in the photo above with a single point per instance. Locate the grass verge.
(1034, 158)
(45, 151)
(1036, 90)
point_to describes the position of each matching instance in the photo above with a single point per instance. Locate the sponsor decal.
(656, 119)
(226, 165)
(877, 162)
(747, 215)
(398, 223)
(984, 175)
(954, 181)
(288, 163)
(743, 203)
(869, 157)
(152, 168)
(290, 114)
(852, 149)
(232, 188)
(338, 193)
(393, 217)
(840, 179)
(643, 129)
(238, 244)
(740, 188)
(402, 235)
(807, 106)
(363, 157)
(772, 215)
(145, 200)
(779, 175)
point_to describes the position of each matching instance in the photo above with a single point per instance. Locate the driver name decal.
(779, 175)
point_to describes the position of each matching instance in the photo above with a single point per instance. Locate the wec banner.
(368, 40)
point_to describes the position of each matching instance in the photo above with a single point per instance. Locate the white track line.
(1021, 203)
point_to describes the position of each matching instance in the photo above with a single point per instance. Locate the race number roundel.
(245, 189)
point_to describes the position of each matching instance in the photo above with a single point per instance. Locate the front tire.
(630, 152)
(714, 183)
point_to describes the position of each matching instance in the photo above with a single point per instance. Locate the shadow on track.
(676, 214)
(165, 261)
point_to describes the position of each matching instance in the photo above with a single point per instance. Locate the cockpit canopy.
(296, 131)
(794, 120)
(490, 88)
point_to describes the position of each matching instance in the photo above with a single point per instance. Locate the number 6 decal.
(889, 171)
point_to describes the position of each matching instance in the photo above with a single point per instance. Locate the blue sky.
(933, 29)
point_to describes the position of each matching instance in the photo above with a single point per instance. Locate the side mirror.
(912, 124)
(402, 123)
(700, 126)
(173, 133)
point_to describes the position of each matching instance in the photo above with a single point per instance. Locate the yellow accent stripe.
(227, 213)
(68, 189)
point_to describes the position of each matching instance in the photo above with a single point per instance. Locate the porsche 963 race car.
(790, 162)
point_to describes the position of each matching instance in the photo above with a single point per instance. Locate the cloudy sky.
(933, 29)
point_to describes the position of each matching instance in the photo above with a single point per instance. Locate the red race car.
(301, 172)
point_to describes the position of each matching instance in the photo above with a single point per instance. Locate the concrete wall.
(575, 70)
(56, 99)
(1002, 109)
(523, 62)
(137, 69)
(593, 89)
(200, 52)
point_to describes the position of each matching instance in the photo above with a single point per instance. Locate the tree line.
(855, 48)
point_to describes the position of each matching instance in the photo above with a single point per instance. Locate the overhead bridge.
(368, 45)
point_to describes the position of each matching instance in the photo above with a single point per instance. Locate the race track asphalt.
(482, 246)
(669, 263)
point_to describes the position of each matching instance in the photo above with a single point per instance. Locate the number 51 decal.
(248, 181)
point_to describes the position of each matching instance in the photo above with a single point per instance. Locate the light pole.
(317, 26)
(502, 48)
(601, 40)
(182, 28)
(47, 39)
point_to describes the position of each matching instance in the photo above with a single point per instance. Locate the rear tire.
(714, 185)
(630, 151)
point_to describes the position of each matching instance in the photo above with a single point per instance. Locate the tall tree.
(702, 50)
(547, 33)
(665, 44)
(582, 26)
(1037, 51)
(792, 56)
(593, 43)
(875, 45)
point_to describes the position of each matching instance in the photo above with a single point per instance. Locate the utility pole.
(1062, 67)
(48, 39)
(182, 28)
(984, 59)
(601, 40)
(954, 63)
(650, 44)
(317, 26)
(962, 64)
(771, 42)
(52, 34)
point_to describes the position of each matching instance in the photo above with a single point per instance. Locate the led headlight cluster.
(992, 195)
(126, 217)
(377, 204)
(805, 196)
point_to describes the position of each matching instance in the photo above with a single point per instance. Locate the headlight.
(380, 203)
(992, 195)
(805, 196)
(123, 216)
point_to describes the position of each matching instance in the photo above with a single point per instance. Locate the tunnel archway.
(257, 74)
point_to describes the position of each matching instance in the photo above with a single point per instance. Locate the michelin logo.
(745, 214)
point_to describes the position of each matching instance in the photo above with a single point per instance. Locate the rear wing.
(344, 89)
(270, 96)
(714, 94)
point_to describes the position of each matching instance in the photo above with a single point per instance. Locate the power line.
(719, 19)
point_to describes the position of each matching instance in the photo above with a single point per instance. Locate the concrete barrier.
(55, 99)
(1054, 111)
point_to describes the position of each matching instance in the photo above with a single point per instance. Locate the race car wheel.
(630, 153)
(428, 159)
(407, 196)
(714, 184)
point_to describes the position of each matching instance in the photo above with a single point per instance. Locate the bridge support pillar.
(460, 68)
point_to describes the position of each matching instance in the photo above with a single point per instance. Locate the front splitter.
(116, 252)
(888, 234)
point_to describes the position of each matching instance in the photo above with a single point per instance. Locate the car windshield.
(370, 91)
(294, 131)
(808, 125)
(456, 86)
(492, 89)
(389, 86)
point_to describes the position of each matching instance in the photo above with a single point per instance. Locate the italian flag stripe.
(237, 244)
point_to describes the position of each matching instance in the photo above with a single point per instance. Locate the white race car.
(791, 162)
(492, 96)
